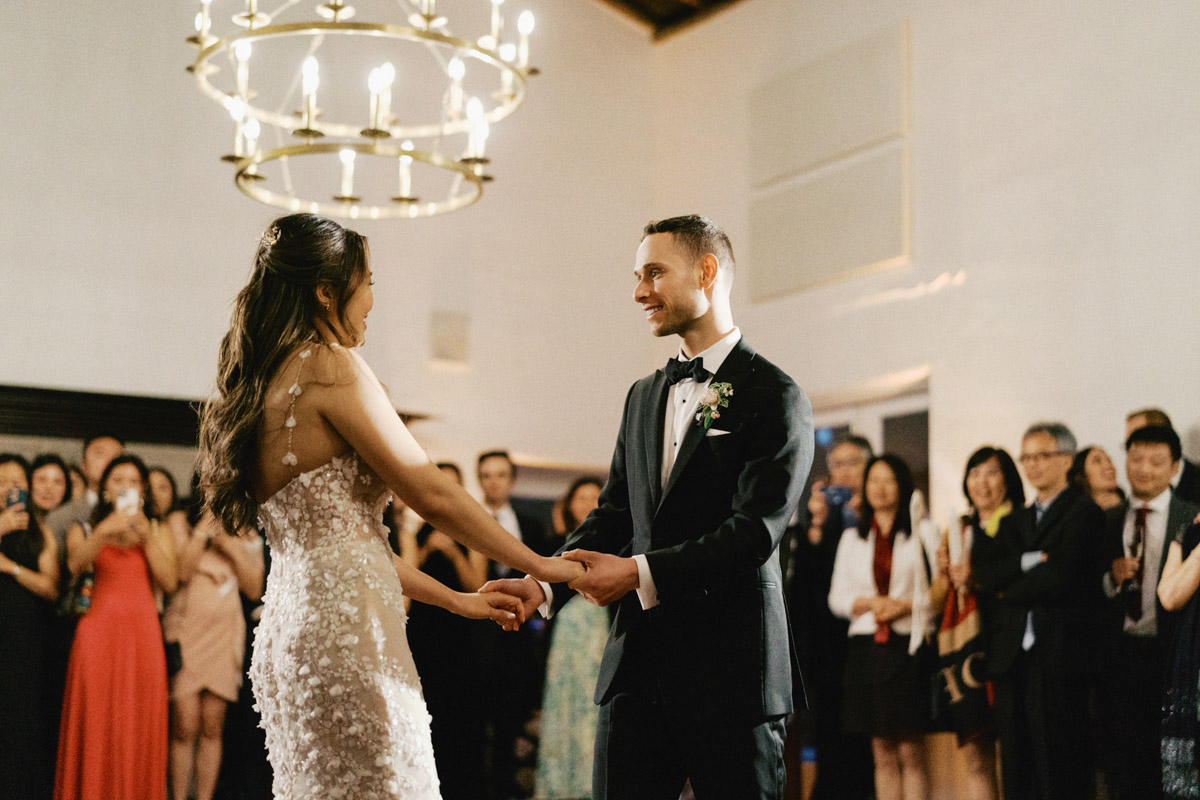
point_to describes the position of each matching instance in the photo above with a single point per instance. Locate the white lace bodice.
(333, 675)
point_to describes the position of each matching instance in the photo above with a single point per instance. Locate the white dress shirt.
(508, 520)
(682, 400)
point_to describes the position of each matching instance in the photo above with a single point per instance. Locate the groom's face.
(668, 285)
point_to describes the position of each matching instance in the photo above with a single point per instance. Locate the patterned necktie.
(1137, 549)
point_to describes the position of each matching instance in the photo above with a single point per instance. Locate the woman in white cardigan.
(881, 584)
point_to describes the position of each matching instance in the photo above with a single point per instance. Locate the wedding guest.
(204, 619)
(1137, 631)
(841, 760)
(113, 738)
(78, 481)
(447, 650)
(98, 451)
(28, 588)
(1181, 703)
(517, 659)
(49, 484)
(569, 717)
(880, 583)
(1186, 483)
(1043, 575)
(1093, 473)
(993, 488)
(167, 504)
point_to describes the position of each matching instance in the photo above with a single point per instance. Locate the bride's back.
(293, 436)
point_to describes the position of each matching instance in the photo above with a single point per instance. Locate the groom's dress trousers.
(698, 671)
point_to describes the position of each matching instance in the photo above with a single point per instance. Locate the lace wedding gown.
(332, 672)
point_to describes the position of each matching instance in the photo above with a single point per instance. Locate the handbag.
(78, 598)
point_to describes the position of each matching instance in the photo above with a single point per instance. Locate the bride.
(303, 438)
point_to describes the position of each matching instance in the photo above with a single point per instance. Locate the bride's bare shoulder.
(334, 366)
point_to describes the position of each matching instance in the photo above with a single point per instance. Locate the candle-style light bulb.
(312, 79)
(387, 74)
(406, 170)
(375, 85)
(251, 130)
(508, 53)
(237, 110)
(524, 27)
(241, 52)
(496, 19)
(346, 156)
(482, 129)
(456, 69)
(475, 116)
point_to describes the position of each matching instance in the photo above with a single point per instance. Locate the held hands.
(526, 591)
(504, 609)
(558, 570)
(123, 530)
(1124, 569)
(14, 518)
(608, 577)
(888, 609)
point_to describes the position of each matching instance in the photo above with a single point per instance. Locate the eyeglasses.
(1040, 458)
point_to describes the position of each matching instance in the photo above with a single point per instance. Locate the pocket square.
(716, 432)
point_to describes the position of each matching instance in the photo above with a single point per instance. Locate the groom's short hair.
(700, 235)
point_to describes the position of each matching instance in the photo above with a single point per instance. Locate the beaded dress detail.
(332, 672)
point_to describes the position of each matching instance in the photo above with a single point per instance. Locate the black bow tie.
(679, 370)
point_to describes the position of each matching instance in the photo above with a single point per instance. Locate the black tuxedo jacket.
(1179, 514)
(1188, 489)
(718, 644)
(1063, 592)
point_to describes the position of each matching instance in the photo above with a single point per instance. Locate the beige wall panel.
(836, 224)
(842, 104)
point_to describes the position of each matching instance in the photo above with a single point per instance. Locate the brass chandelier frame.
(379, 139)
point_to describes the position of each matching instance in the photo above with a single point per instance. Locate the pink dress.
(205, 617)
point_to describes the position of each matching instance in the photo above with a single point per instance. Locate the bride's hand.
(557, 570)
(503, 609)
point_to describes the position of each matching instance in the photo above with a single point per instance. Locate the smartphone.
(128, 501)
(837, 495)
(15, 496)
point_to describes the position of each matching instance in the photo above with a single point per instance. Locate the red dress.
(113, 739)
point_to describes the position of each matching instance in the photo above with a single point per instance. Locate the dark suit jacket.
(718, 644)
(1189, 483)
(533, 535)
(1063, 592)
(1179, 514)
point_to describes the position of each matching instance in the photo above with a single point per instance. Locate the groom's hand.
(526, 589)
(608, 577)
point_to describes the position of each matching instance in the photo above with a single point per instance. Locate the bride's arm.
(501, 608)
(357, 407)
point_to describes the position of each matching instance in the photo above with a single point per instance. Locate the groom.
(709, 464)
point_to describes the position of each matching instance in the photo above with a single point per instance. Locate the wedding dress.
(332, 673)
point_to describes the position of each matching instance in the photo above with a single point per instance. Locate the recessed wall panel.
(839, 105)
(833, 224)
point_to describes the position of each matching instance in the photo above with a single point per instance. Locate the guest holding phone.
(113, 738)
(28, 581)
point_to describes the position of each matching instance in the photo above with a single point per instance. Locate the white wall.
(1055, 163)
(123, 240)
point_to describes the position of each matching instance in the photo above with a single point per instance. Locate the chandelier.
(361, 119)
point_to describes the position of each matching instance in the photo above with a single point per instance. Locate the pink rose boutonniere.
(715, 398)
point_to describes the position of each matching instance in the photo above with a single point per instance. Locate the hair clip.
(271, 237)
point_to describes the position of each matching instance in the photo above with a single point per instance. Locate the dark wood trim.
(28, 411)
(58, 413)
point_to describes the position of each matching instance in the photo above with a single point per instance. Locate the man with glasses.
(1044, 572)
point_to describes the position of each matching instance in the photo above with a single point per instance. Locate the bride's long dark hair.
(276, 311)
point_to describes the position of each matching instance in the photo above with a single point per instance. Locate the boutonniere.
(715, 397)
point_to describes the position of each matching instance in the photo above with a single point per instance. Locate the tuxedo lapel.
(653, 430)
(734, 369)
